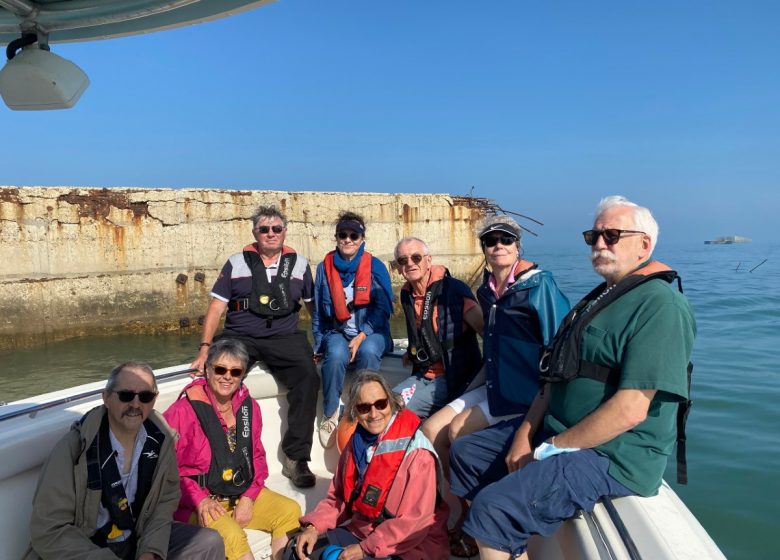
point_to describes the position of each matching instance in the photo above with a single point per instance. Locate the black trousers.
(289, 358)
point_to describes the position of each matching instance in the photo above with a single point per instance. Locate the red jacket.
(194, 454)
(418, 530)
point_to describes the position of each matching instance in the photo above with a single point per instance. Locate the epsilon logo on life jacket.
(245, 421)
(264, 299)
(122, 504)
(227, 475)
(371, 497)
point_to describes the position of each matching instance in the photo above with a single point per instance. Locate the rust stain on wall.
(96, 204)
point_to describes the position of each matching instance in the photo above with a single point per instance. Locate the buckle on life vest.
(241, 304)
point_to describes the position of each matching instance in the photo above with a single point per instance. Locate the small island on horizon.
(728, 240)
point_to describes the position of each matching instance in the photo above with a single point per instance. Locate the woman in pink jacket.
(383, 501)
(222, 460)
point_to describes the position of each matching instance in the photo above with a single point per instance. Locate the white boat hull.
(661, 527)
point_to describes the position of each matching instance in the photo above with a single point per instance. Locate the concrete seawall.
(86, 260)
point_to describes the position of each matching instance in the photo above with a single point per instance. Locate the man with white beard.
(617, 377)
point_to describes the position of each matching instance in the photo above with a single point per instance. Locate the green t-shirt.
(648, 334)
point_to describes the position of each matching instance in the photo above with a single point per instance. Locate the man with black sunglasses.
(260, 289)
(615, 398)
(112, 483)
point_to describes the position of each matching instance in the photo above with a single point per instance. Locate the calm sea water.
(733, 431)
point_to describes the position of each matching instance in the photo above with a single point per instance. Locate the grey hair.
(409, 239)
(142, 366)
(364, 377)
(502, 219)
(267, 212)
(228, 347)
(643, 218)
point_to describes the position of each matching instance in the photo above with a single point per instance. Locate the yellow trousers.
(273, 513)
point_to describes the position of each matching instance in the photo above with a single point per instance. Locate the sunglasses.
(144, 396)
(352, 235)
(416, 259)
(266, 229)
(611, 235)
(222, 370)
(494, 240)
(365, 408)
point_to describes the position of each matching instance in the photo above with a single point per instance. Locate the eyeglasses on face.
(266, 229)
(365, 408)
(144, 396)
(610, 235)
(222, 370)
(352, 235)
(415, 258)
(493, 240)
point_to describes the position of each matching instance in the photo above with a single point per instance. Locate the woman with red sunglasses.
(382, 501)
(221, 458)
(353, 301)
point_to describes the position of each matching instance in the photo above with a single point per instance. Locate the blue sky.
(542, 106)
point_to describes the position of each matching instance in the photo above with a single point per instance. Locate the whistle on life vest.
(115, 532)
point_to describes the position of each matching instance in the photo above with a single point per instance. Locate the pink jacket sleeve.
(181, 417)
(330, 512)
(413, 502)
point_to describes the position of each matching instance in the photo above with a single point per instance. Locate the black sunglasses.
(144, 396)
(416, 259)
(266, 229)
(494, 240)
(611, 235)
(365, 408)
(352, 235)
(222, 370)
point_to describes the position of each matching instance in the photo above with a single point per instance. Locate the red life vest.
(369, 499)
(361, 286)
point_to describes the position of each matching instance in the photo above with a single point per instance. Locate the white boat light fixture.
(37, 79)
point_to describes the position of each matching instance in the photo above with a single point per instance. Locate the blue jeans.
(508, 508)
(428, 395)
(335, 360)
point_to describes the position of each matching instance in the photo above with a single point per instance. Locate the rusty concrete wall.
(84, 260)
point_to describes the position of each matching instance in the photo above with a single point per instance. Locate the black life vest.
(231, 472)
(370, 496)
(270, 300)
(103, 474)
(425, 348)
(562, 361)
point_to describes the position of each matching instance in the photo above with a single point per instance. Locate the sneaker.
(298, 472)
(327, 430)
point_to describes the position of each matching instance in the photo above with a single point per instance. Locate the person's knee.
(455, 429)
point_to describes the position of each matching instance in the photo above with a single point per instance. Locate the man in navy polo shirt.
(260, 288)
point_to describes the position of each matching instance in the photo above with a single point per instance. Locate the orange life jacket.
(370, 497)
(361, 286)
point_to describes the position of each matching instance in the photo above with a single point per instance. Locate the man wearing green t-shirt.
(617, 372)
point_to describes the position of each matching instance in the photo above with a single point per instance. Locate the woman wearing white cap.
(522, 307)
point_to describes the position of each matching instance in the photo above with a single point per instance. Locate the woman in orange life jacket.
(353, 301)
(383, 500)
(221, 458)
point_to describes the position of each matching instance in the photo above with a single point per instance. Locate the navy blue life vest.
(103, 474)
(458, 349)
